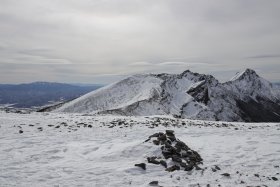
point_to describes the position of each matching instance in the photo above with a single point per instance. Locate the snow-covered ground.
(62, 154)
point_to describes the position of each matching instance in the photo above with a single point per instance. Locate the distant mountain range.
(41, 93)
(246, 97)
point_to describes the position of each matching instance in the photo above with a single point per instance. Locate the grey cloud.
(97, 41)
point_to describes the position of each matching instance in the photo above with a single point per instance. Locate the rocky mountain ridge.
(246, 97)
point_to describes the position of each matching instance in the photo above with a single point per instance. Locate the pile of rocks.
(176, 155)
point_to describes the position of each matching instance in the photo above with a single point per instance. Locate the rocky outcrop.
(175, 154)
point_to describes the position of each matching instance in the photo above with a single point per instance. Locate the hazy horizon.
(104, 84)
(102, 41)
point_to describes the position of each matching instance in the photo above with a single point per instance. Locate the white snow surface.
(102, 156)
(136, 95)
(118, 95)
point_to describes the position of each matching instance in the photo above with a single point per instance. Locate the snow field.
(102, 156)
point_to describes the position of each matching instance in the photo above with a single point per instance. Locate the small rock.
(156, 142)
(175, 158)
(189, 167)
(181, 145)
(20, 131)
(169, 132)
(147, 140)
(217, 167)
(172, 168)
(172, 138)
(153, 160)
(256, 175)
(213, 169)
(162, 138)
(153, 183)
(141, 165)
(163, 163)
(226, 174)
(274, 178)
(89, 126)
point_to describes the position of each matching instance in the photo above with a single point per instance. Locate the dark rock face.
(200, 93)
(183, 158)
(262, 111)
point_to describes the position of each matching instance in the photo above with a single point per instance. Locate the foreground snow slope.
(247, 97)
(69, 154)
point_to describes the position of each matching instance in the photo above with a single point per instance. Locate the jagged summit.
(246, 74)
(247, 97)
(249, 83)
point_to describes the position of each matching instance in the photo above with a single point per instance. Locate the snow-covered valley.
(53, 149)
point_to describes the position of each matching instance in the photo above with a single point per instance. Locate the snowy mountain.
(246, 97)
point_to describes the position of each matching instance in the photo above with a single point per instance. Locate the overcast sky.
(101, 41)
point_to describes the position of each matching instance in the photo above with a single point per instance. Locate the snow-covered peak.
(247, 74)
(249, 84)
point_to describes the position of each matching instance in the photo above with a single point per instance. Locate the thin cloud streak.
(263, 56)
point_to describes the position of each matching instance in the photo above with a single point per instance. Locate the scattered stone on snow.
(226, 174)
(217, 167)
(141, 165)
(256, 175)
(172, 168)
(183, 158)
(153, 183)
